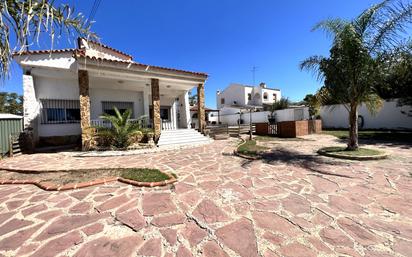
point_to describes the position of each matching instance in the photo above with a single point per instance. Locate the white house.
(244, 95)
(212, 116)
(65, 91)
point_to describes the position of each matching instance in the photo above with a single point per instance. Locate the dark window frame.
(60, 111)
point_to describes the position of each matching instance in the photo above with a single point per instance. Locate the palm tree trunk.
(353, 130)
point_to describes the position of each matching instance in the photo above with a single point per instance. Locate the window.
(60, 111)
(194, 116)
(249, 96)
(265, 96)
(274, 97)
(222, 101)
(164, 113)
(108, 107)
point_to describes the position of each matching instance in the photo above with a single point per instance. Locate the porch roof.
(82, 54)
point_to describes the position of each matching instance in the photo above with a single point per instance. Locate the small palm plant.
(121, 128)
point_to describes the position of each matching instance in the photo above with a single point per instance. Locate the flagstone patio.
(293, 203)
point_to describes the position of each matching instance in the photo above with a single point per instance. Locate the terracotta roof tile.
(49, 51)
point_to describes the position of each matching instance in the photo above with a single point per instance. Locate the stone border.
(354, 158)
(47, 186)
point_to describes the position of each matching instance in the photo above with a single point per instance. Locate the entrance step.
(182, 137)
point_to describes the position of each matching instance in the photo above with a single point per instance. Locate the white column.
(184, 107)
(31, 107)
(174, 112)
(146, 101)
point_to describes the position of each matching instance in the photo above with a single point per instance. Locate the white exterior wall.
(270, 93)
(233, 93)
(389, 117)
(99, 95)
(230, 116)
(55, 88)
(68, 89)
(239, 94)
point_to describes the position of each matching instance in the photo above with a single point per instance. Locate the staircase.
(180, 137)
(14, 149)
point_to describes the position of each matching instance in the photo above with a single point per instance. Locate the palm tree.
(354, 68)
(121, 128)
(24, 21)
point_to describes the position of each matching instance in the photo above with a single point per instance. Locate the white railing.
(167, 125)
(107, 124)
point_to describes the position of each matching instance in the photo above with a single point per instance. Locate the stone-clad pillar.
(84, 108)
(201, 107)
(156, 108)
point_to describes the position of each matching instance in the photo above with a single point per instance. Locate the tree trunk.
(353, 130)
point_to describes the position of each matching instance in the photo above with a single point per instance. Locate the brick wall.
(262, 128)
(299, 128)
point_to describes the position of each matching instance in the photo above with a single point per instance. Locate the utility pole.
(250, 124)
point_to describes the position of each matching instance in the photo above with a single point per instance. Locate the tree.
(283, 103)
(11, 103)
(192, 99)
(354, 70)
(24, 21)
(397, 82)
(312, 101)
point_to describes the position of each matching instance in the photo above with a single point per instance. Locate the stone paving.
(293, 203)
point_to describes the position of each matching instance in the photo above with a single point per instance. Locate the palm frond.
(313, 64)
(368, 17)
(332, 27)
(395, 19)
(373, 103)
(22, 23)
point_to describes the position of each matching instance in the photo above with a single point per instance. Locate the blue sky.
(224, 38)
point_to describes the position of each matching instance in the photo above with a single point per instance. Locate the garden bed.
(362, 154)
(249, 149)
(66, 180)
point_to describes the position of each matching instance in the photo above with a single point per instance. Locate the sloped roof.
(104, 46)
(81, 52)
(194, 109)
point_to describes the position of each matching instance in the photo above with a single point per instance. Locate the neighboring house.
(212, 116)
(243, 95)
(65, 91)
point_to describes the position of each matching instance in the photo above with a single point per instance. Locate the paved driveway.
(294, 203)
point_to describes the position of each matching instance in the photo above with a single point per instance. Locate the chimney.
(262, 85)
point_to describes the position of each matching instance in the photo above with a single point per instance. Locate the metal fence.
(230, 130)
(10, 128)
(143, 123)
